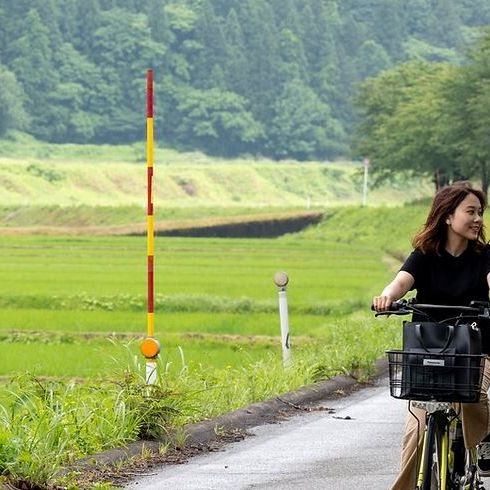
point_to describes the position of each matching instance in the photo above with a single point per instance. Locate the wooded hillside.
(270, 77)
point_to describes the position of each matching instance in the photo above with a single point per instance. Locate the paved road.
(311, 451)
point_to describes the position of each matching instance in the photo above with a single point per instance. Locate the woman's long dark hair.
(432, 237)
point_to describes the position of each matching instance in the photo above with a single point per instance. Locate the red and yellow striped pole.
(150, 347)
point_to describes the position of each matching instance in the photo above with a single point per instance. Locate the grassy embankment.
(74, 186)
(216, 315)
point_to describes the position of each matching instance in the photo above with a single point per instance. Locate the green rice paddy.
(91, 288)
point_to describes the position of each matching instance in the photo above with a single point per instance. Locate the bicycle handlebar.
(405, 307)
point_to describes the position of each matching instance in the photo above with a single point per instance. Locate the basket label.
(433, 362)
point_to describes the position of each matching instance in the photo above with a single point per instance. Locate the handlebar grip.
(397, 307)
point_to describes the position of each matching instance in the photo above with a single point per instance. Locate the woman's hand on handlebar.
(396, 289)
(382, 303)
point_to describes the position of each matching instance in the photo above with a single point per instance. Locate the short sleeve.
(415, 266)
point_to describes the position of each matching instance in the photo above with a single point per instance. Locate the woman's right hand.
(382, 303)
(397, 288)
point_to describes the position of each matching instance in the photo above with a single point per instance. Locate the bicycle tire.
(463, 473)
(445, 462)
(434, 470)
(472, 479)
(440, 477)
(458, 470)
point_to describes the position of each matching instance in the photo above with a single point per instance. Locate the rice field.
(61, 298)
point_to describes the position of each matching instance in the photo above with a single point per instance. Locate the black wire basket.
(427, 376)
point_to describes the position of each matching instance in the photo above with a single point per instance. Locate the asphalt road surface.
(355, 447)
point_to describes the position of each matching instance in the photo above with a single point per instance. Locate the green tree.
(474, 12)
(158, 22)
(75, 102)
(263, 57)
(88, 20)
(12, 113)
(256, 49)
(182, 23)
(468, 112)
(124, 49)
(293, 63)
(419, 17)
(68, 22)
(446, 30)
(235, 65)
(210, 49)
(302, 125)
(404, 127)
(372, 59)
(49, 14)
(216, 121)
(320, 34)
(33, 66)
(381, 20)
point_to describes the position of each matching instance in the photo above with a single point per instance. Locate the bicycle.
(437, 382)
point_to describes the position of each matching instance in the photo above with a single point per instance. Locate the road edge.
(256, 414)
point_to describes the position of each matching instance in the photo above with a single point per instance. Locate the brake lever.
(391, 312)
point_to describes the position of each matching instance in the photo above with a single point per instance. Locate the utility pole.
(366, 164)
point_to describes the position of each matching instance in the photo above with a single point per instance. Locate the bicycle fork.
(426, 457)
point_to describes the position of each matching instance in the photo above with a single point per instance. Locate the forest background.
(262, 77)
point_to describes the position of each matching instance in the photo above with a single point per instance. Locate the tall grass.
(46, 424)
(352, 343)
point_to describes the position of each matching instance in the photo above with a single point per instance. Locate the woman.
(450, 265)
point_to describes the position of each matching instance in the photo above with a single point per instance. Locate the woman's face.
(466, 220)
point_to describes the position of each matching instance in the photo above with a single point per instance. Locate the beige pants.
(476, 425)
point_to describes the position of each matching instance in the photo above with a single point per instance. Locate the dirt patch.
(141, 466)
(245, 339)
(258, 226)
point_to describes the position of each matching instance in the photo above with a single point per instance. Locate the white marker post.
(151, 372)
(281, 280)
